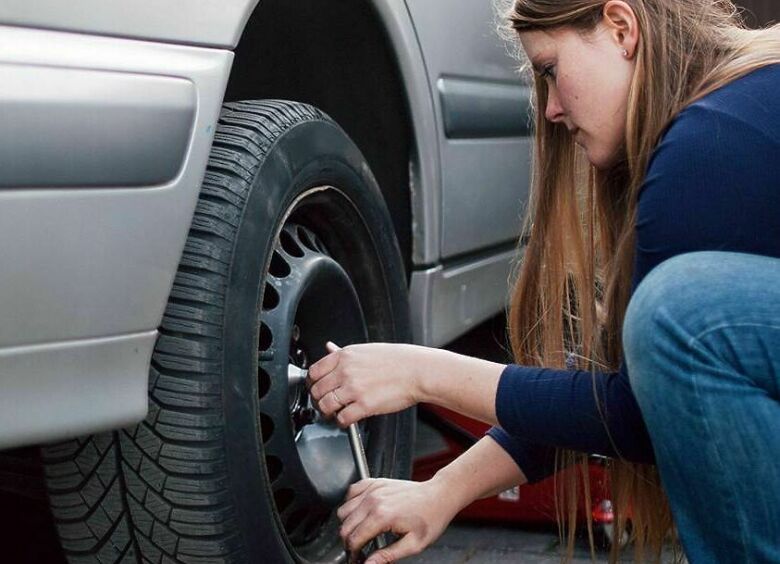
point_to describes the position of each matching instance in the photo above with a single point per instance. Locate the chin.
(596, 161)
(602, 160)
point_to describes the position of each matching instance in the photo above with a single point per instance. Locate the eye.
(548, 72)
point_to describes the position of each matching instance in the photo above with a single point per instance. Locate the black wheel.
(291, 245)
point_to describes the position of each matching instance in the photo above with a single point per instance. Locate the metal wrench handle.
(359, 454)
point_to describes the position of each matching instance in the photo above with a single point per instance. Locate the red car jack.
(529, 504)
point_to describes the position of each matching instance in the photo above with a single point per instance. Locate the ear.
(622, 24)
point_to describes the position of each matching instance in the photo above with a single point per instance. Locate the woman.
(657, 136)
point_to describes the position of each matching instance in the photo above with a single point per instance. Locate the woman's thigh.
(702, 345)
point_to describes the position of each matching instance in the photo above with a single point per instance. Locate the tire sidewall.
(309, 154)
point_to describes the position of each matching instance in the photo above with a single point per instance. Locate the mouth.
(574, 134)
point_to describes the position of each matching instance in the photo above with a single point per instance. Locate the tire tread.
(159, 492)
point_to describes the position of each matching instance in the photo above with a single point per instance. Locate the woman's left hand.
(367, 379)
(416, 511)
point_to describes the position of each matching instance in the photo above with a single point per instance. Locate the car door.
(481, 107)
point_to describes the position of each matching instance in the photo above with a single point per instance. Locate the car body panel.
(484, 177)
(82, 264)
(73, 388)
(480, 109)
(446, 299)
(425, 160)
(60, 127)
(215, 23)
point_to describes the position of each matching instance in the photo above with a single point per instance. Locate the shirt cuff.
(536, 461)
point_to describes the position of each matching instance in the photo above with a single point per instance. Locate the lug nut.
(305, 416)
(295, 375)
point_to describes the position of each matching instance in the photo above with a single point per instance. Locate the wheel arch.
(360, 63)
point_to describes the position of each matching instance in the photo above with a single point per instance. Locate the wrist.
(453, 495)
(452, 489)
(430, 374)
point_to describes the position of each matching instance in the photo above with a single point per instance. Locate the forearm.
(461, 383)
(482, 471)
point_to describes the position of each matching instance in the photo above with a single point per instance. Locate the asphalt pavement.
(27, 537)
(483, 544)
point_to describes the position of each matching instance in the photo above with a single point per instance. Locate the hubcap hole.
(283, 498)
(294, 521)
(263, 383)
(310, 240)
(289, 245)
(274, 466)
(270, 298)
(266, 338)
(266, 427)
(305, 239)
(279, 267)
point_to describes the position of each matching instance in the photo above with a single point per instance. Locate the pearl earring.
(625, 52)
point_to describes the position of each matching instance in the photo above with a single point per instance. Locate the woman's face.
(588, 78)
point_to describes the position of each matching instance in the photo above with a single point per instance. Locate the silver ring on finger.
(336, 397)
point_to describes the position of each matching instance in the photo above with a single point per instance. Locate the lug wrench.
(297, 376)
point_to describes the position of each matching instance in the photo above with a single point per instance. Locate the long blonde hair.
(573, 278)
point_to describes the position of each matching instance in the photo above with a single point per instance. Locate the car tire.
(291, 245)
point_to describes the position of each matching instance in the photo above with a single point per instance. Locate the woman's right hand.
(418, 512)
(369, 379)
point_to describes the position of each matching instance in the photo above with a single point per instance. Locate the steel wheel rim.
(296, 451)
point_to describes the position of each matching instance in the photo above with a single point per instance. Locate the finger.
(368, 528)
(407, 545)
(361, 486)
(330, 405)
(350, 414)
(332, 347)
(324, 386)
(348, 507)
(324, 366)
(352, 520)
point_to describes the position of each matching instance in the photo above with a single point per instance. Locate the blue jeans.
(702, 345)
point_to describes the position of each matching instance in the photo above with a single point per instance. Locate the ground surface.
(475, 543)
(27, 537)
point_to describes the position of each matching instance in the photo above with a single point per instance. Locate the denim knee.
(666, 301)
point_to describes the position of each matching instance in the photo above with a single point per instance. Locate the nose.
(554, 111)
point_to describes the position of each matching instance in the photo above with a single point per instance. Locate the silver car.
(195, 195)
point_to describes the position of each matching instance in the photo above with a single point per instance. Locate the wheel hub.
(308, 300)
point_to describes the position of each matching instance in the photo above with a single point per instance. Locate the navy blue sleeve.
(560, 407)
(713, 184)
(537, 461)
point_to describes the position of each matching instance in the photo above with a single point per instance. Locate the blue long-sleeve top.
(713, 183)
